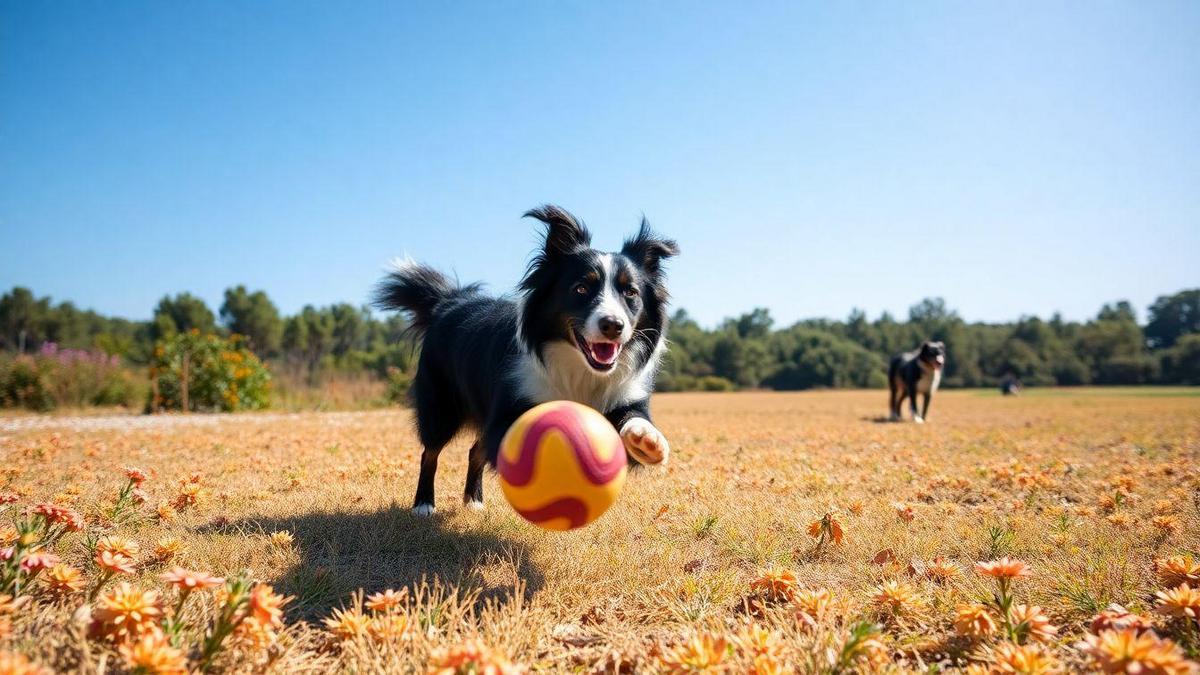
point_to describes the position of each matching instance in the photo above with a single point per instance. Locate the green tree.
(1172, 317)
(180, 314)
(255, 316)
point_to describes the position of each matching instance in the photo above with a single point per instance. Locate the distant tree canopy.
(747, 351)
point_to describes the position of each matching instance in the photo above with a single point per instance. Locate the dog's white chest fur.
(565, 375)
(930, 379)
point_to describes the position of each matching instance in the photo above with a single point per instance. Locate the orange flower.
(113, 544)
(774, 584)
(1178, 570)
(700, 652)
(124, 613)
(115, 563)
(64, 580)
(1165, 524)
(153, 654)
(1128, 651)
(472, 658)
(266, 606)
(387, 600)
(1004, 568)
(16, 663)
(135, 474)
(1030, 621)
(58, 515)
(1023, 659)
(904, 512)
(828, 527)
(974, 620)
(1182, 601)
(347, 624)
(1116, 617)
(756, 640)
(188, 580)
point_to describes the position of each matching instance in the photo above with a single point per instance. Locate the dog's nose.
(611, 327)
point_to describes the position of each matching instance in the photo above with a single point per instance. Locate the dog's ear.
(648, 249)
(564, 232)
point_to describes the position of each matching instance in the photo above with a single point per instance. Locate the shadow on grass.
(342, 552)
(881, 419)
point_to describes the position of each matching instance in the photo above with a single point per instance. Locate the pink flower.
(36, 561)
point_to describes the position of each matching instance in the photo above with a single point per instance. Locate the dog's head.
(609, 306)
(933, 353)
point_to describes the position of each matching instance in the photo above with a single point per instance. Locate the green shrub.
(221, 374)
(398, 385)
(55, 378)
(714, 383)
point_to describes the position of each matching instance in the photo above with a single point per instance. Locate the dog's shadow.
(339, 553)
(881, 419)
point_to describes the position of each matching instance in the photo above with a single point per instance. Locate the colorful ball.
(561, 465)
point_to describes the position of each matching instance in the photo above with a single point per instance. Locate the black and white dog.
(910, 373)
(587, 326)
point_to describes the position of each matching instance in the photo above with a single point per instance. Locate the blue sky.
(1018, 158)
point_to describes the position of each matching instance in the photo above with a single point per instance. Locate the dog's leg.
(473, 493)
(912, 400)
(643, 441)
(925, 405)
(423, 502)
(893, 404)
(900, 395)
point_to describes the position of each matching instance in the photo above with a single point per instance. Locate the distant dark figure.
(1010, 385)
(918, 371)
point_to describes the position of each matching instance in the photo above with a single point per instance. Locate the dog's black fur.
(910, 373)
(587, 326)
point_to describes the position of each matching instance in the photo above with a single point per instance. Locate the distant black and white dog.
(587, 326)
(915, 372)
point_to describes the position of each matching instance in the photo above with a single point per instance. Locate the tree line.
(747, 351)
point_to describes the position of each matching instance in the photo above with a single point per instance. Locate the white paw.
(646, 444)
(918, 419)
(423, 510)
(474, 505)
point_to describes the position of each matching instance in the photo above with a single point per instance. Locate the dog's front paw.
(918, 419)
(424, 510)
(645, 444)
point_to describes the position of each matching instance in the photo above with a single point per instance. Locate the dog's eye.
(631, 292)
(581, 289)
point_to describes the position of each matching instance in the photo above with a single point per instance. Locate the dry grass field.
(709, 565)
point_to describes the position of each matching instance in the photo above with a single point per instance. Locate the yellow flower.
(815, 603)
(1030, 621)
(387, 600)
(1128, 651)
(167, 548)
(114, 544)
(125, 613)
(63, 579)
(282, 539)
(1182, 601)
(153, 654)
(701, 652)
(1023, 659)
(470, 658)
(756, 640)
(942, 570)
(896, 598)
(347, 624)
(1004, 568)
(774, 584)
(388, 627)
(974, 620)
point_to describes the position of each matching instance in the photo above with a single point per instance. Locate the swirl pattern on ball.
(561, 465)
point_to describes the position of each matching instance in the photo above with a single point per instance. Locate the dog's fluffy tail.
(417, 289)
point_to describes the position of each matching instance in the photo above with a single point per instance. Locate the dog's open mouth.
(600, 355)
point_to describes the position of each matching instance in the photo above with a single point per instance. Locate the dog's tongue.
(604, 352)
